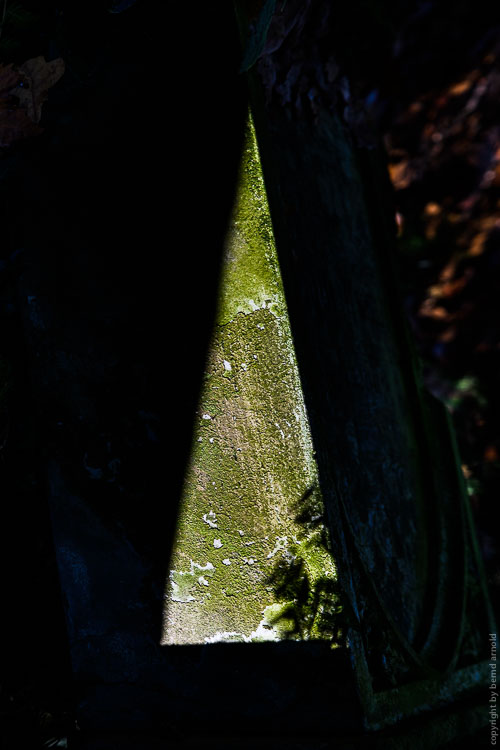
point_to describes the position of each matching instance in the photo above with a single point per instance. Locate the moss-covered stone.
(251, 559)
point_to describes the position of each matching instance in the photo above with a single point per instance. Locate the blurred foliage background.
(442, 136)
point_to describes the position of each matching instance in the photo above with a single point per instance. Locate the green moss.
(250, 508)
(251, 275)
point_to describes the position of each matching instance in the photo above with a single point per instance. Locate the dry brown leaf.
(41, 76)
(15, 123)
(22, 93)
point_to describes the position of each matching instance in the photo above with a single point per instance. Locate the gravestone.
(98, 310)
(388, 468)
(251, 561)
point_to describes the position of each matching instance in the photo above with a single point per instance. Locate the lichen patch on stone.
(252, 461)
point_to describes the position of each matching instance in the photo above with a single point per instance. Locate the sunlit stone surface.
(251, 559)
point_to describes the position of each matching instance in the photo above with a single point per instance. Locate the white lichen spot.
(289, 557)
(244, 366)
(180, 586)
(227, 365)
(248, 560)
(279, 428)
(241, 533)
(199, 439)
(206, 416)
(210, 519)
(273, 626)
(226, 561)
(183, 581)
(217, 543)
(226, 635)
(281, 544)
(264, 632)
(210, 440)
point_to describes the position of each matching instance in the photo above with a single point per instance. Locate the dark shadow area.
(234, 689)
(113, 225)
(297, 695)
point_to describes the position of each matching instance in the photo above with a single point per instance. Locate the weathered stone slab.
(402, 538)
(251, 559)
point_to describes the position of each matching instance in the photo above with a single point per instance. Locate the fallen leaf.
(22, 92)
(15, 122)
(41, 76)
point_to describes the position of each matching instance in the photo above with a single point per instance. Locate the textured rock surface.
(250, 559)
